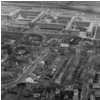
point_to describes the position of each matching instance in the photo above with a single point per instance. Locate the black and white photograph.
(50, 50)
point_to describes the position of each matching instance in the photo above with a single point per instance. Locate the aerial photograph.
(50, 50)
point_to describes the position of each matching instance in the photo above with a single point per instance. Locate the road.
(64, 70)
(27, 71)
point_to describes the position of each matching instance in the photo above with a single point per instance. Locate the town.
(50, 50)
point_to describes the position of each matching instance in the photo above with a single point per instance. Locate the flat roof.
(98, 33)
